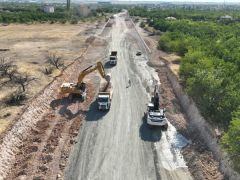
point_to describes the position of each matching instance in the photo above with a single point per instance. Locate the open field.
(28, 46)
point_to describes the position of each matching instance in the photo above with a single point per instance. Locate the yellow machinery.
(79, 88)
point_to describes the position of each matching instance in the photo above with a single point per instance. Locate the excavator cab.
(80, 87)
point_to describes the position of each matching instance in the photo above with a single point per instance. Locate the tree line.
(209, 46)
(28, 13)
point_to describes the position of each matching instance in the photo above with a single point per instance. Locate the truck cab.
(156, 117)
(74, 89)
(104, 101)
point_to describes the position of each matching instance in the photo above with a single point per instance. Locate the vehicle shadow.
(107, 65)
(94, 114)
(149, 133)
(64, 103)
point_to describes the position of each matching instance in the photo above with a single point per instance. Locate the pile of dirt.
(201, 162)
(90, 39)
(96, 41)
(110, 23)
(129, 24)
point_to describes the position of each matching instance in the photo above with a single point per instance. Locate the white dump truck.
(104, 98)
(156, 117)
(113, 58)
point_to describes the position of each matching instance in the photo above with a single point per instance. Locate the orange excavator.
(79, 88)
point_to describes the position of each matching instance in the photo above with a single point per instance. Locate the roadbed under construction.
(56, 138)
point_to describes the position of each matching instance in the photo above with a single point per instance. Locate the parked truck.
(113, 58)
(104, 98)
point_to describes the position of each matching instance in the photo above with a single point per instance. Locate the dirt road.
(118, 144)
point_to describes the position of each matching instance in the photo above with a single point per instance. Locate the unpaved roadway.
(118, 144)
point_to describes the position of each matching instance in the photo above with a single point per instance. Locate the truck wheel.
(165, 127)
(70, 97)
(145, 116)
(83, 97)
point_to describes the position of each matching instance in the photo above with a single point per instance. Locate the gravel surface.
(118, 144)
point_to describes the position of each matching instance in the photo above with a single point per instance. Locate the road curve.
(118, 145)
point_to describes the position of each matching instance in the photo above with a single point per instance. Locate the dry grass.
(173, 61)
(28, 47)
(7, 116)
(31, 43)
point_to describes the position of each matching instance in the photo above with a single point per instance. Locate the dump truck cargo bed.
(105, 96)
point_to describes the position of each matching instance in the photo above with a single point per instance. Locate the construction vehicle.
(104, 98)
(139, 53)
(79, 88)
(156, 115)
(113, 58)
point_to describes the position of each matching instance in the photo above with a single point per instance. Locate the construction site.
(113, 111)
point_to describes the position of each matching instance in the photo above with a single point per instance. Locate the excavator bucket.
(108, 77)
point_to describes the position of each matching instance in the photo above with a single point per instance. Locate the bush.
(48, 70)
(74, 21)
(63, 21)
(230, 140)
(142, 24)
(15, 98)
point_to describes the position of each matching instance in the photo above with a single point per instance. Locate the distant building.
(48, 8)
(170, 18)
(226, 17)
(85, 10)
(104, 2)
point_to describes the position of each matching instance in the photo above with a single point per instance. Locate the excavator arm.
(155, 99)
(90, 69)
(80, 86)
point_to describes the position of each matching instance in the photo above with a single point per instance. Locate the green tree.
(231, 139)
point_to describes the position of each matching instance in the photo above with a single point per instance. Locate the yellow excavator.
(79, 88)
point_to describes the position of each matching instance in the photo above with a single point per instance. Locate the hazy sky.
(216, 1)
(220, 1)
